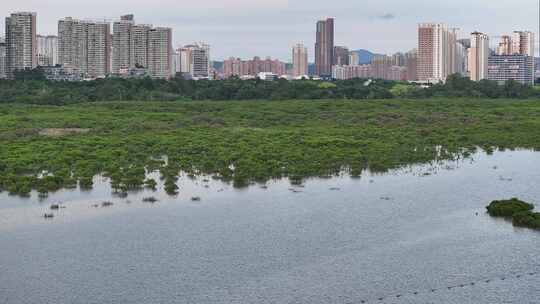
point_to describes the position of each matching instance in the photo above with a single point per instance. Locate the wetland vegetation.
(527, 219)
(244, 142)
(507, 208)
(520, 212)
(32, 88)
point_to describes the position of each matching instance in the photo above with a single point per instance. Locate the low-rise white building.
(267, 76)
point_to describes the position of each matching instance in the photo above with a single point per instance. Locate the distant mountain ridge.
(365, 56)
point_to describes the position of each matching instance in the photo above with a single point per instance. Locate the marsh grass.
(253, 142)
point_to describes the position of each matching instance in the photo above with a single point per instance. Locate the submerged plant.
(150, 184)
(150, 199)
(170, 187)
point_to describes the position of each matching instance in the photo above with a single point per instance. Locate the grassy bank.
(247, 141)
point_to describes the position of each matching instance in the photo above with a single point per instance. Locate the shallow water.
(379, 237)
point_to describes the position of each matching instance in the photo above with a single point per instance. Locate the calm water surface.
(378, 239)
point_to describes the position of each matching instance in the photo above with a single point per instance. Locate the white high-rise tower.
(478, 56)
(300, 60)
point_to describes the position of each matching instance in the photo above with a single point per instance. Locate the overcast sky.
(246, 28)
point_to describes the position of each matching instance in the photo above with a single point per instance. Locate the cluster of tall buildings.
(437, 52)
(331, 61)
(327, 55)
(513, 59)
(93, 49)
(47, 51)
(440, 54)
(141, 47)
(86, 49)
(339, 63)
(397, 67)
(193, 61)
(85, 46)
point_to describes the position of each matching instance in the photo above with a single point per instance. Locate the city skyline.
(266, 26)
(88, 49)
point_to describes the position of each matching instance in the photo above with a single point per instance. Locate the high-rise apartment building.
(200, 61)
(98, 49)
(466, 42)
(462, 59)
(2, 58)
(341, 55)
(520, 68)
(185, 60)
(72, 44)
(505, 46)
(85, 46)
(411, 63)
(177, 63)
(160, 52)
(427, 51)
(436, 52)
(381, 66)
(194, 60)
(354, 58)
(511, 61)
(139, 45)
(90, 47)
(235, 67)
(300, 61)
(122, 31)
(21, 42)
(523, 43)
(324, 47)
(352, 71)
(374, 70)
(398, 59)
(478, 56)
(47, 50)
(398, 67)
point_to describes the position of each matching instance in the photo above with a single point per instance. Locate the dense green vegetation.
(519, 211)
(47, 148)
(507, 208)
(526, 219)
(30, 87)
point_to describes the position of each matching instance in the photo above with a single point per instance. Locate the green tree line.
(32, 87)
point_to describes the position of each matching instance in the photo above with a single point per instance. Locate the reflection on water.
(416, 235)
